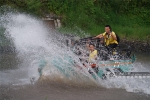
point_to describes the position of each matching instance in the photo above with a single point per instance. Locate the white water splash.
(31, 39)
(131, 84)
(34, 41)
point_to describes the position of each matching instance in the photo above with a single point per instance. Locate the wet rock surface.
(138, 45)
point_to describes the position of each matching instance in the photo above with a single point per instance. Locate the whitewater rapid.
(34, 41)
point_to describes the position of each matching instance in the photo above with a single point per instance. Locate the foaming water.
(28, 36)
(136, 84)
(34, 43)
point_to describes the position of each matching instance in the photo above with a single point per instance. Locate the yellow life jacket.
(108, 39)
(92, 55)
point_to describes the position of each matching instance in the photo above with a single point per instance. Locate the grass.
(88, 17)
(140, 33)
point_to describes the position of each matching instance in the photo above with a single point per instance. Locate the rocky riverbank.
(138, 45)
(7, 49)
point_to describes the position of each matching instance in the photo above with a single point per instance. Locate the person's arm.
(87, 46)
(99, 36)
(113, 36)
(95, 55)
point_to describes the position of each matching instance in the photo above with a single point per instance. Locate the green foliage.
(28, 6)
(3, 40)
(33, 6)
(92, 15)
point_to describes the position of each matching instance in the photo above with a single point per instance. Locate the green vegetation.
(3, 40)
(128, 18)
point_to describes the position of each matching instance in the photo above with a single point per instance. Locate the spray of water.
(136, 84)
(35, 43)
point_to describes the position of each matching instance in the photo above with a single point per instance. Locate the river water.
(33, 41)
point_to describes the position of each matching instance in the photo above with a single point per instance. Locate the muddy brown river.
(34, 41)
(58, 90)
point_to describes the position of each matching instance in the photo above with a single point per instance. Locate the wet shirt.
(109, 39)
(92, 55)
